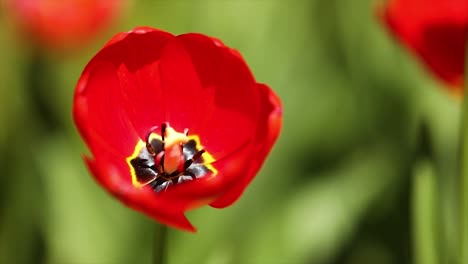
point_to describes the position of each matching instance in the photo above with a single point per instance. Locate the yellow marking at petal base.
(137, 150)
(139, 146)
(207, 158)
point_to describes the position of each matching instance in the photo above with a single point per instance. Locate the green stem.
(39, 79)
(463, 195)
(424, 218)
(160, 242)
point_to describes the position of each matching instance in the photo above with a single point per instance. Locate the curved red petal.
(137, 60)
(112, 172)
(96, 110)
(137, 30)
(183, 95)
(231, 102)
(208, 188)
(140, 199)
(270, 121)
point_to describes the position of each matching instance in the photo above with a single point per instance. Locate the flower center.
(169, 158)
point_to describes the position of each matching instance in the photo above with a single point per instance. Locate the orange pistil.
(173, 152)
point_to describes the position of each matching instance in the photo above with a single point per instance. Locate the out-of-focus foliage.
(336, 188)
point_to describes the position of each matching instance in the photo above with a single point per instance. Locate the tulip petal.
(231, 114)
(137, 60)
(183, 95)
(140, 199)
(96, 106)
(62, 25)
(435, 31)
(208, 188)
(268, 131)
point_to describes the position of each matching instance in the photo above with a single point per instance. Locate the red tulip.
(435, 30)
(174, 122)
(63, 24)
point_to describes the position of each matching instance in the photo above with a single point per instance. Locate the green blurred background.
(363, 122)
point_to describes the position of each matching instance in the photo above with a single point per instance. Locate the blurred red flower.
(174, 122)
(435, 30)
(63, 24)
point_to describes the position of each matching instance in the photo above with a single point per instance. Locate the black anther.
(163, 131)
(149, 147)
(194, 158)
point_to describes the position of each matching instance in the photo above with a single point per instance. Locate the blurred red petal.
(435, 31)
(63, 24)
